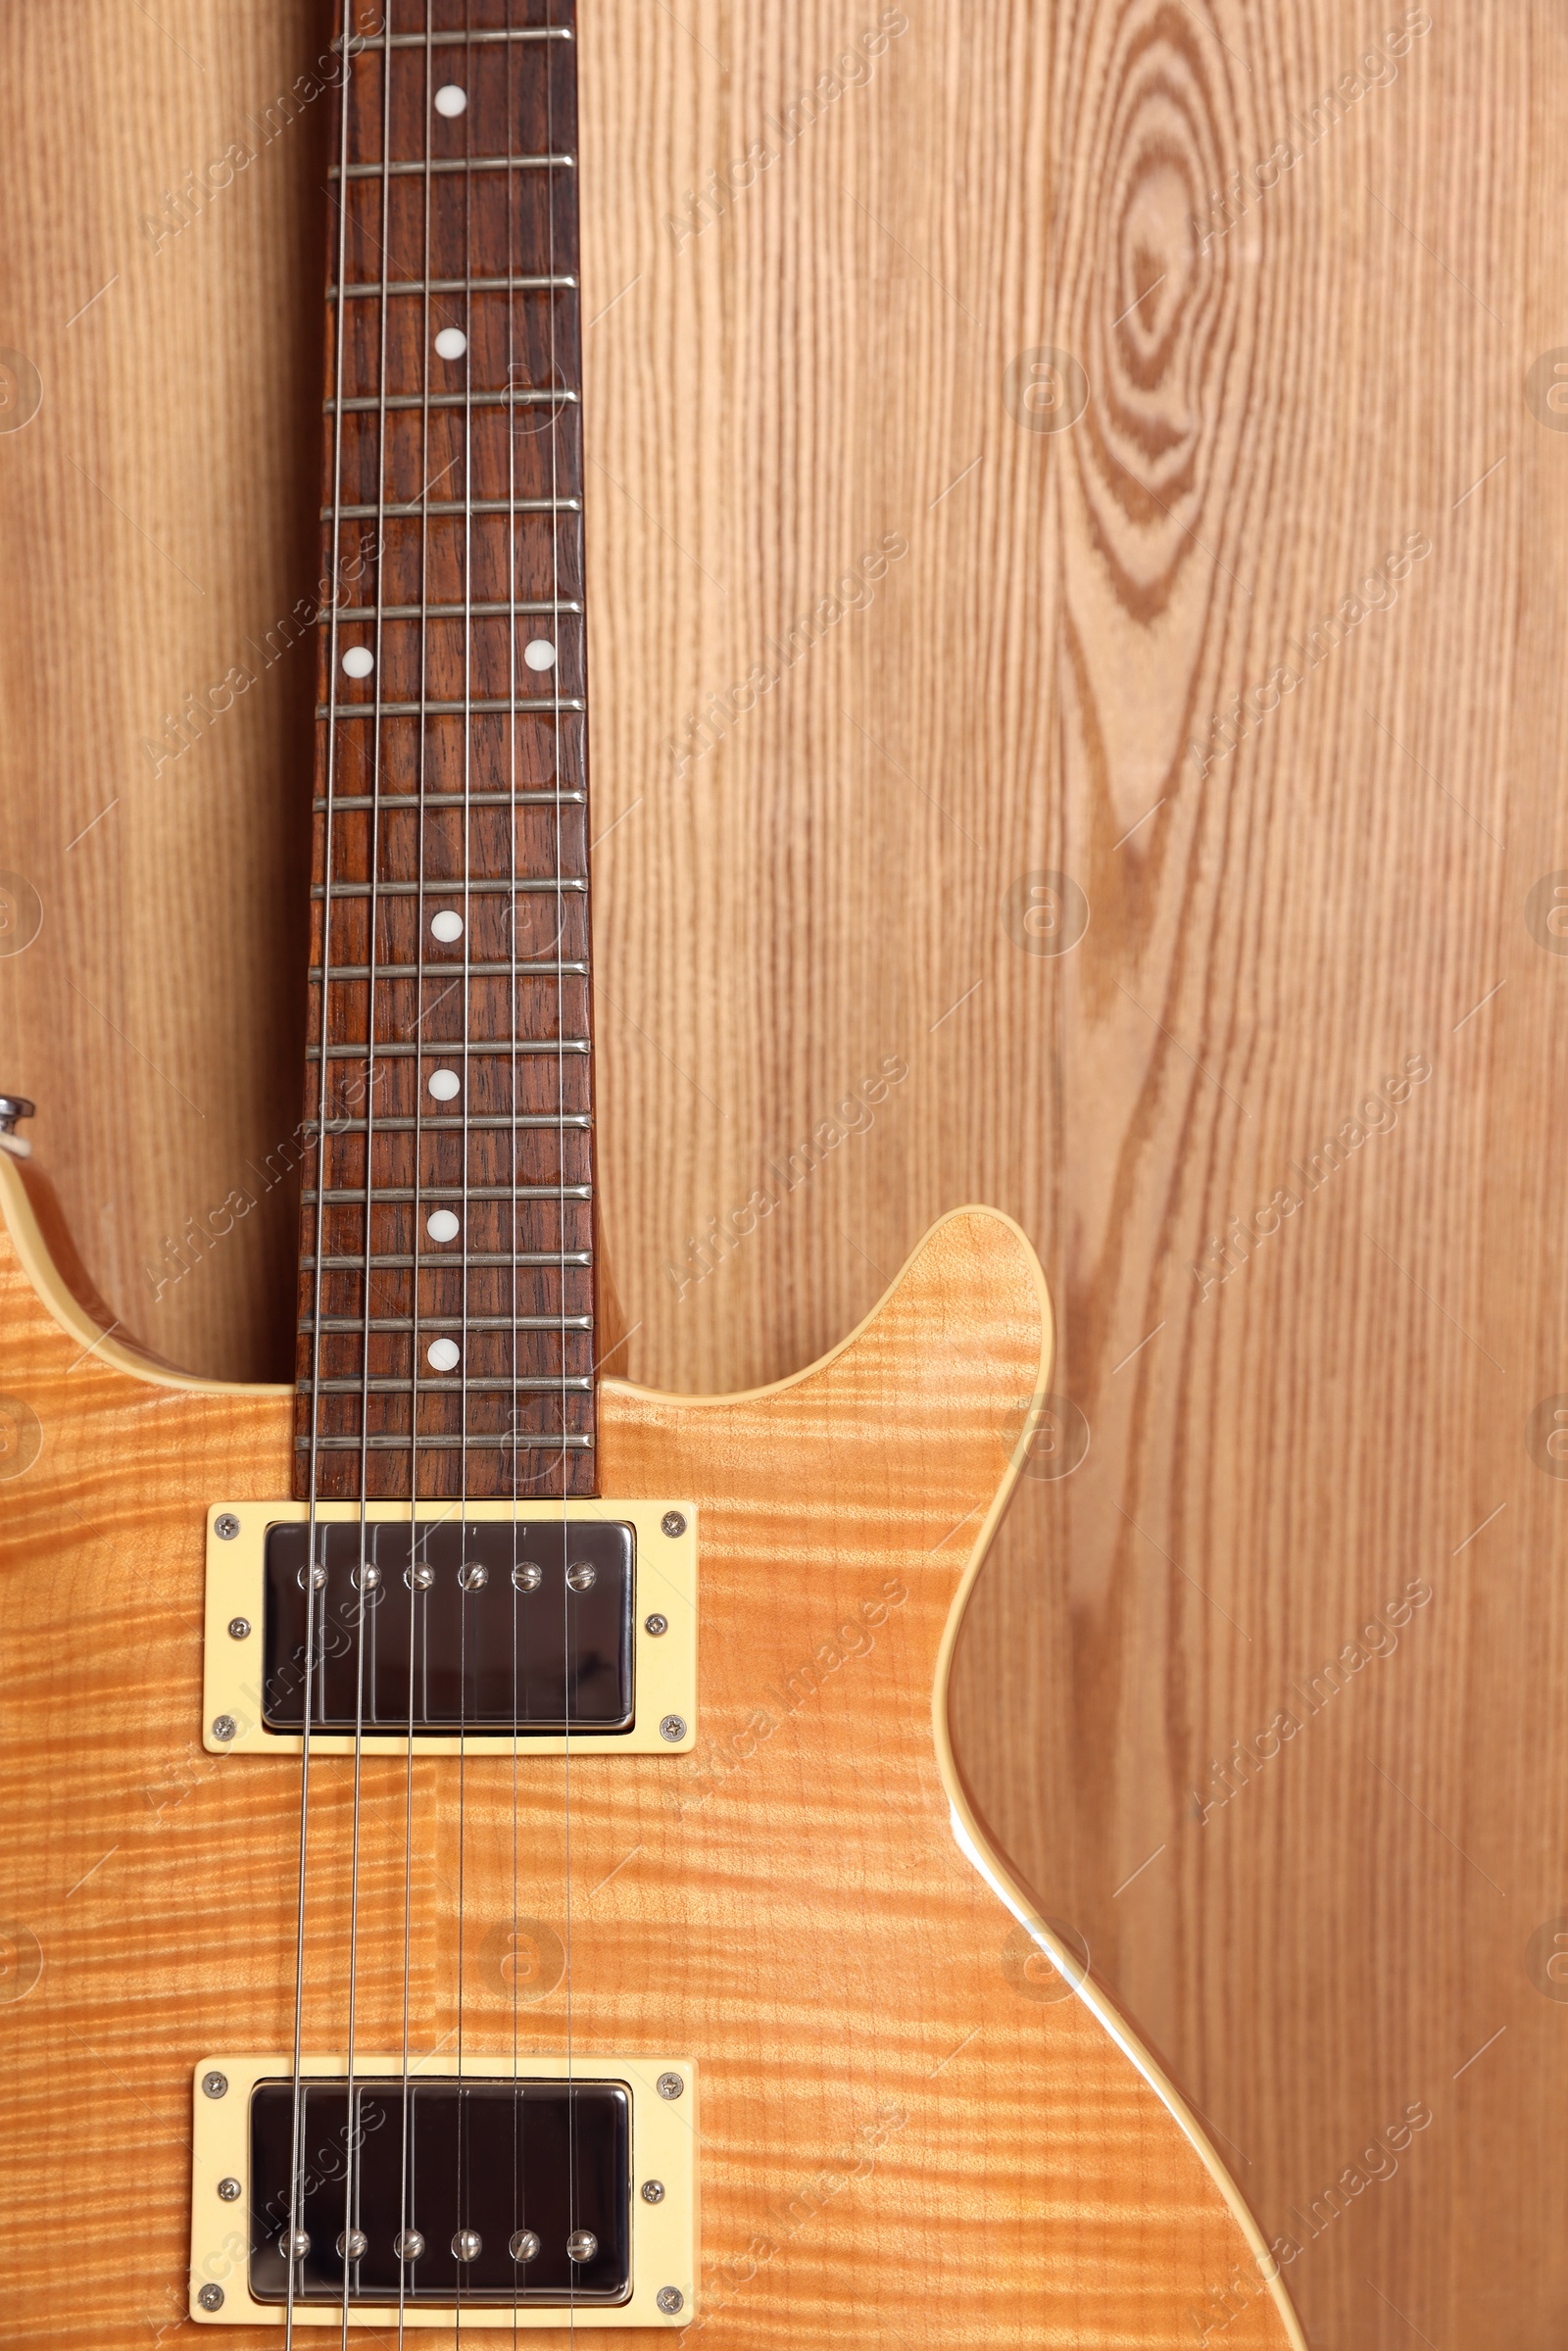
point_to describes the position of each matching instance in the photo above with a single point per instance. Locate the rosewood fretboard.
(446, 1293)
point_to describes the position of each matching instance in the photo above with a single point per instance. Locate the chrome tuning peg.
(12, 1107)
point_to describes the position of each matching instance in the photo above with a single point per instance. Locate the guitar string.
(467, 942)
(297, 2118)
(518, 2123)
(373, 958)
(414, 1618)
(555, 408)
(563, 1452)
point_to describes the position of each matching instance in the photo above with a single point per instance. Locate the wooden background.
(837, 880)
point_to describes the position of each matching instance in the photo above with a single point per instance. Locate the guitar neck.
(446, 1337)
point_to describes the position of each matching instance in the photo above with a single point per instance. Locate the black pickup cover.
(497, 2158)
(493, 1651)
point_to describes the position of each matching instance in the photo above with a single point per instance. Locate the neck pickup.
(492, 1629)
(438, 1627)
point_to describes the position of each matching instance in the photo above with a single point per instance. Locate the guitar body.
(909, 2133)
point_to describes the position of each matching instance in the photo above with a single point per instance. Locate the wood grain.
(158, 1018)
(822, 364)
(787, 1902)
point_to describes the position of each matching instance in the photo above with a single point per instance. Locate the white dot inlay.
(446, 926)
(357, 661)
(443, 1225)
(539, 654)
(445, 1085)
(452, 342)
(443, 1355)
(451, 99)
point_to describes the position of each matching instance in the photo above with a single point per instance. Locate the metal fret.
(506, 1443)
(450, 1322)
(517, 396)
(452, 285)
(473, 972)
(451, 798)
(402, 510)
(455, 163)
(453, 884)
(477, 1049)
(398, 1194)
(482, 705)
(444, 612)
(454, 40)
(430, 1125)
(525, 1382)
(396, 1264)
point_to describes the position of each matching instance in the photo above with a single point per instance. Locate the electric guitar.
(483, 1845)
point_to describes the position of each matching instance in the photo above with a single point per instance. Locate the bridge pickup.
(542, 2166)
(565, 1621)
(511, 2193)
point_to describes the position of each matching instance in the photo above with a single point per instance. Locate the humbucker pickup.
(525, 2193)
(491, 1626)
(481, 1627)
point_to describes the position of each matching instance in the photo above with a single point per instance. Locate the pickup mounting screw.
(239, 1628)
(226, 1527)
(655, 1625)
(407, 2245)
(670, 2299)
(580, 1575)
(582, 2244)
(224, 1726)
(653, 2191)
(672, 2085)
(523, 2245)
(673, 1727)
(466, 2245)
(672, 1524)
(229, 2190)
(214, 2084)
(210, 2297)
(352, 2242)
